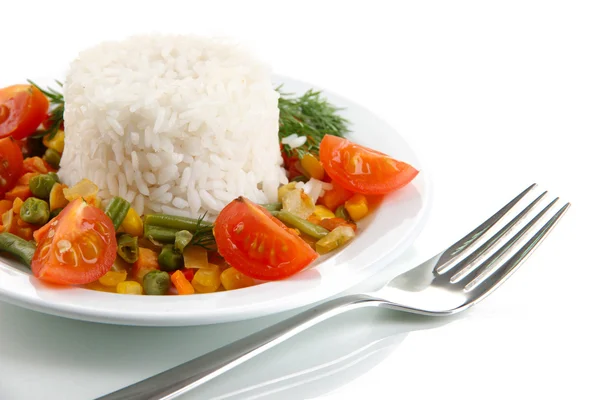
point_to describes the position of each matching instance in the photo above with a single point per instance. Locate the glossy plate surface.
(382, 236)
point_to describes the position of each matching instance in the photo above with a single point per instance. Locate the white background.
(492, 96)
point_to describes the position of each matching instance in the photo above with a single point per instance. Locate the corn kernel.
(334, 239)
(322, 212)
(357, 207)
(84, 188)
(207, 279)
(17, 205)
(233, 279)
(57, 196)
(113, 278)
(99, 287)
(129, 287)
(132, 224)
(195, 257)
(57, 143)
(312, 166)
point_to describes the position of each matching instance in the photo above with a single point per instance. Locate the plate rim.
(122, 317)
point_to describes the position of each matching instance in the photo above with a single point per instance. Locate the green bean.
(117, 210)
(170, 259)
(55, 212)
(302, 225)
(41, 185)
(341, 212)
(127, 247)
(182, 239)
(35, 211)
(52, 157)
(16, 246)
(173, 222)
(272, 206)
(156, 283)
(160, 234)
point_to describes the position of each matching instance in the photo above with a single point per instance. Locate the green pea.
(169, 259)
(35, 211)
(156, 283)
(41, 185)
(54, 175)
(52, 157)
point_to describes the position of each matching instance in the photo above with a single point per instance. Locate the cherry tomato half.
(11, 164)
(363, 170)
(22, 109)
(76, 247)
(257, 244)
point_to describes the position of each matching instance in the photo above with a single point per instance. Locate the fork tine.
(472, 237)
(461, 267)
(475, 274)
(497, 277)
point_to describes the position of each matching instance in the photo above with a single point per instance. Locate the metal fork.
(448, 283)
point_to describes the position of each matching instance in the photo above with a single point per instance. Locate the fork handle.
(189, 375)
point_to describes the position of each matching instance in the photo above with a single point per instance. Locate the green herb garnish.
(57, 109)
(203, 236)
(309, 115)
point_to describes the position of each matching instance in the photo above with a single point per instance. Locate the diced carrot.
(36, 164)
(335, 197)
(332, 223)
(181, 283)
(187, 272)
(5, 205)
(146, 262)
(313, 219)
(25, 178)
(25, 233)
(21, 223)
(22, 192)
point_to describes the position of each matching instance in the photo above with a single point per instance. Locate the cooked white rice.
(174, 124)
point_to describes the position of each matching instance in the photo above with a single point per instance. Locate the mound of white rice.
(174, 124)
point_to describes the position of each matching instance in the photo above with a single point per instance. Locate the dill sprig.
(203, 236)
(57, 109)
(308, 115)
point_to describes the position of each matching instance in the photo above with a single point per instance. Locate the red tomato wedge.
(76, 247)
(22, 109)
(257, 244)
(363, 170)
(11, 164)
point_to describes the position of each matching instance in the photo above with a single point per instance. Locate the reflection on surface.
(319, 360)
(98, 358)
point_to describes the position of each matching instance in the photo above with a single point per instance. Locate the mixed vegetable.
(66, 238)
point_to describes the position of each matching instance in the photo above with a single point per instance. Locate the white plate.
(382, 236)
